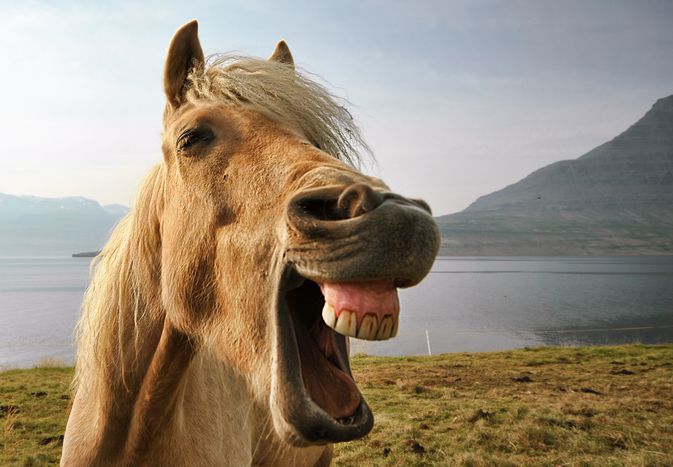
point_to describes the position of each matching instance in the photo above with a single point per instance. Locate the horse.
(214, 329)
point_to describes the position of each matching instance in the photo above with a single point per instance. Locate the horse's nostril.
(335, 204)
(358, 199)
(318, 208)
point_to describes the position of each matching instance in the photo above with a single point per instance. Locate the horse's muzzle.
(360, 233)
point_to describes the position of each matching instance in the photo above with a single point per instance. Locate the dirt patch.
(522, 379)
(479, 414)
(623, 371)
(52, 439)
(8, 410)
(415, 447)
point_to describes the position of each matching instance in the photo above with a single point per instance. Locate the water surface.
(465, 304)
(39, 306)
(493, 303)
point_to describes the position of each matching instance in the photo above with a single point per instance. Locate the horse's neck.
(134, 408)
(129, 393)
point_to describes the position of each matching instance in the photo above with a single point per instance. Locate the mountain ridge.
(33, 225)
(615, 199)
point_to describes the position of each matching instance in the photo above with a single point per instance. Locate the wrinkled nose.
(359, 232)
(334, 203)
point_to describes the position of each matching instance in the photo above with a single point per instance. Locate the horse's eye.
(193, 137)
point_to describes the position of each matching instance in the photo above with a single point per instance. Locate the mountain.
(615, 200)
(34, 226)
(116, 209)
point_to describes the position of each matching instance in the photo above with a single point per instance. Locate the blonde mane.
(116, 302)
(116, 306)
(287, 94)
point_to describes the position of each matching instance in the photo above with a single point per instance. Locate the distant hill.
(615, 200)
(30, 225)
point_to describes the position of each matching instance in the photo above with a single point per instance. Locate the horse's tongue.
(366, 310)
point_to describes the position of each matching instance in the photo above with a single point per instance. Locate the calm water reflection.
(478, 304)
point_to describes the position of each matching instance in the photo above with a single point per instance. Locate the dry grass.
(550, 406)
(33, 410)
(547, 406)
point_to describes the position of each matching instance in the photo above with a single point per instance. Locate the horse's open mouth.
(320, 317)
(324, 365)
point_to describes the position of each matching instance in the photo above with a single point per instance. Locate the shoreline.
(58, 361)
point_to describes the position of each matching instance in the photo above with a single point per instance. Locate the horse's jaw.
(314, 399)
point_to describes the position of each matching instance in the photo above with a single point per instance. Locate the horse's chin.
(314, 398)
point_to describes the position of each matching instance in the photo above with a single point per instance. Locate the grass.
(33, 410)
(542, 406)
(546, 406)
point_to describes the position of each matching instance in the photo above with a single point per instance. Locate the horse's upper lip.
(397, 241)
(302, 420)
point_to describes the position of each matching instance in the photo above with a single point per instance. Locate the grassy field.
(546, 406)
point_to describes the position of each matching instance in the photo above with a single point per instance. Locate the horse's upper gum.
(376, 298)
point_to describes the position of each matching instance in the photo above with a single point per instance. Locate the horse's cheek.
(187, 291)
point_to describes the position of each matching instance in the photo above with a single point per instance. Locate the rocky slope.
(615, 200)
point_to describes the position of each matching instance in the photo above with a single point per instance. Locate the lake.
(466, 304)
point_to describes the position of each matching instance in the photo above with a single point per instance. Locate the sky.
(456, 98)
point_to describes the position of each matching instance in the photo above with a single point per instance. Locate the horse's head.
(273, 247)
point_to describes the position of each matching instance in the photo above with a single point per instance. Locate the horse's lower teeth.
(369, 328)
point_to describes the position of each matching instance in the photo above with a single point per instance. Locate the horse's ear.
(184, 53)
(282, 54)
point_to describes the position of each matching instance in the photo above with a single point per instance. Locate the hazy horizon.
(457, 99)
